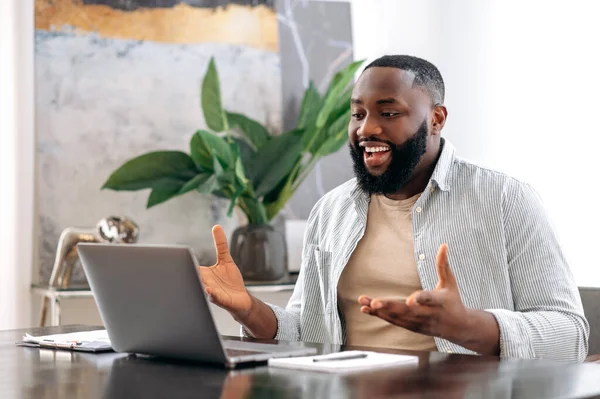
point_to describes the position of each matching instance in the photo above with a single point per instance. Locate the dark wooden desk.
(35, 373)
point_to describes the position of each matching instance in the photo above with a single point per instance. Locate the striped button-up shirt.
(502, 250)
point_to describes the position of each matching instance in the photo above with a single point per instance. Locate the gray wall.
(315, 41)
(100, 102)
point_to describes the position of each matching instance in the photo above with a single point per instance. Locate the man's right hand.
(225, 287)
(223, 281)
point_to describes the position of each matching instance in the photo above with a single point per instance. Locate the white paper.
(82, 336)
(373, 361)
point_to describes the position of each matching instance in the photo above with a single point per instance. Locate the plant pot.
(259, 251)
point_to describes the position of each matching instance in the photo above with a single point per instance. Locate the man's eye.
(389, 114)
(356, 116)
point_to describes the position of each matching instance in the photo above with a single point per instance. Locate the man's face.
(389, 129)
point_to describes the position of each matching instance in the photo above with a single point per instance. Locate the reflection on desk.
(36, 373)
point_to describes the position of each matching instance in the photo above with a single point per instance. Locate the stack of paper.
(344, 362)
(86, 341)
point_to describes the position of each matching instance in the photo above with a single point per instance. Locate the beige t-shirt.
(383, 265)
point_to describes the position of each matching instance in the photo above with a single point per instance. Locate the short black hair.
(426, 74)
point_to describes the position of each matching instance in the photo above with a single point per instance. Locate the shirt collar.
(441, 174)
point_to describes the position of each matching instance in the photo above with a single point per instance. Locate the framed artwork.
(117, 78)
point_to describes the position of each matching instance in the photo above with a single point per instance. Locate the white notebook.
(85, 341)
(327, 363)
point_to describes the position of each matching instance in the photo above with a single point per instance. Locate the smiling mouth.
(375, 155)
(371, 151)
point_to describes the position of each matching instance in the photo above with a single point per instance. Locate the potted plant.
(239, 160)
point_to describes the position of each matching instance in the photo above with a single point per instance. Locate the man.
(422, 250)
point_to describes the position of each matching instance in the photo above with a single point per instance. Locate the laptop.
(152, 302)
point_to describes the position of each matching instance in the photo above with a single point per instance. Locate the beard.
(404, 160)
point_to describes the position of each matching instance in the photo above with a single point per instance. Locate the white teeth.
(376, 149)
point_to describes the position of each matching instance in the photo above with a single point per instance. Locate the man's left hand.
(439, 312)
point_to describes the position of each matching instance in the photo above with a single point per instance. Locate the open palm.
(223, 281)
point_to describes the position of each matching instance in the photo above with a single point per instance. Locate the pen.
(341, 356)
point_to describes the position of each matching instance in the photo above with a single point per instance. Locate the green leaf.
(239, 171)
(168, 189)
(285, 193)
(311, 137)
(234, 199)
(163, 192)
(238, 165)
(337, 135)
(275, 160)
(273, 195)
(196, 182)
(246, 155)
(218, 165)
(256, 133)
(311, 104)
(226, 178)
(337, 86)
(342, 106)
(332, 145)
(209, 186)
(205, 145)
(340, 117)
(149, 170)
(211, 99)
(315, 137)
(254, 209)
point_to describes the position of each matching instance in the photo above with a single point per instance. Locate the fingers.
(427, 298)
(386, 305)
(412, 299)
(372, 303)
(203, 272)
(441, 262)
(364, 300)
(431, 298)
(380, 304)
(445, 275)
(395, 312)
(369, 304)
(404, 322)
(205, 276)
(220, 240)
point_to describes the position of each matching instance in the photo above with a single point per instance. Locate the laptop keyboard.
(240, 352)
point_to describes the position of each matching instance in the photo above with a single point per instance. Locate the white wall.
(16, 162)
(523, 84)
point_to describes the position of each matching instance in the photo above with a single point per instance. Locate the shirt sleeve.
(548, 321)
(288, 319)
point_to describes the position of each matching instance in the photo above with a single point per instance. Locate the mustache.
(376, 139)
(372, 139)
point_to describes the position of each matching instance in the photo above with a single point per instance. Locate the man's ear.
(439, 115)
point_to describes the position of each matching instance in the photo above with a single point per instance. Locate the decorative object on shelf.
(118, 230)
(113, 229)
(239, 160)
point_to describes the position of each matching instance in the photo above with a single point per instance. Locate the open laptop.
(152, 302)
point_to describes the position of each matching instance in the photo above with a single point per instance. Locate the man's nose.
(369, 127)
